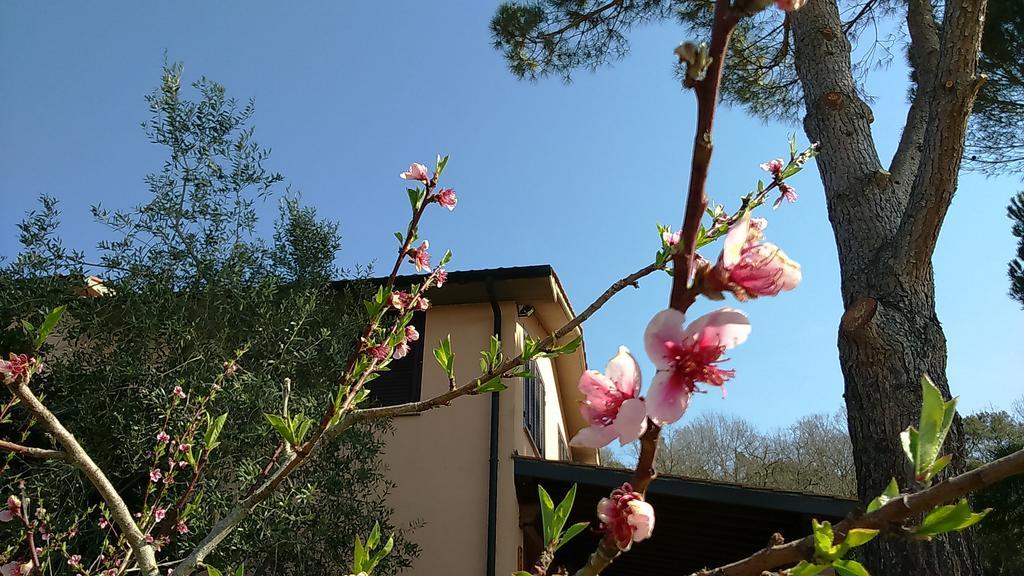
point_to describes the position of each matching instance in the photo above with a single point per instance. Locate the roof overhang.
(700, 524)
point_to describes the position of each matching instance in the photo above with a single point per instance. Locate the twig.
(706, 91)
(32, 451)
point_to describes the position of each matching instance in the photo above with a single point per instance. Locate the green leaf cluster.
(949, 518)
(366, 557)
(292, 429)
(553, 519)
(532, 348)
(445, 357)
(922, 445)
(828, 554)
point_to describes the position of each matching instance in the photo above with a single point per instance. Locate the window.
(402, 382)
(563, 449)
(533, 406)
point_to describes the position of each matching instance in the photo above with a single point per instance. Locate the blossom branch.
(78, 457)
(471, 386)
(42, 453)
(706, 91)
(887, 519)
(704, 75)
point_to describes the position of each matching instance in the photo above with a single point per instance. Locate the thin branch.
(887, 519)
(471, 386)
(864, 10)
(706, 91)
(581, 19)
(77, 456)
(32, 451)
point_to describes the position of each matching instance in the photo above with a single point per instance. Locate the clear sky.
(349, 93)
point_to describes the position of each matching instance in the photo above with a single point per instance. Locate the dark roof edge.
(706, 490)
(467, 276)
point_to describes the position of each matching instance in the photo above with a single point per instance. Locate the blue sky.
(577, 175)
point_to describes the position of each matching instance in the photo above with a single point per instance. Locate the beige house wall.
(440, 459)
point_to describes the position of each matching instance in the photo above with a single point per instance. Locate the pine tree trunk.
(889, 335)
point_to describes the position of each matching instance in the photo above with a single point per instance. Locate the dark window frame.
(403, 382)
(533, 407)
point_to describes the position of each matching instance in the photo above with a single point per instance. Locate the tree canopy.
(186, 281)
(996, 144)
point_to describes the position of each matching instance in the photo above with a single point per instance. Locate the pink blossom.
(155, 475)
(415, 172)
(411, 334)
(16, 568)
(399, 300)
(440, 277)
(110, 572)
(422, 304)
(670, 238)
(230, 368)
(419, 257)
(182, 463)
(13, 509)
(749, 268)
(446, 197)
(787, 192)
(380, 352)
(612, 405)
(401, 350)
(103, 523)
(75, 561)
(790, 5)
(178, 392)
(20, 367)
(184, 447)
(774, 167)
(685, 357)
(162, 437)
(625, 517)
(159, 513)
(181, 527)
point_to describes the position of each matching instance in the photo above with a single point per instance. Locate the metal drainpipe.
(492, 472)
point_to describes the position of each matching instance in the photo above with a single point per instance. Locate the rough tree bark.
(886, 222)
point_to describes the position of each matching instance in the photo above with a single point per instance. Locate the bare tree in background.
(811, 455)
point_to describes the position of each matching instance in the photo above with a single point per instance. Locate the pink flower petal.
(667, 399)
(666, 326)
(594, 437)
(595, 386)
(641, 518)
(734, 242)
(631, 421)
(724, 327)
(623, 370)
